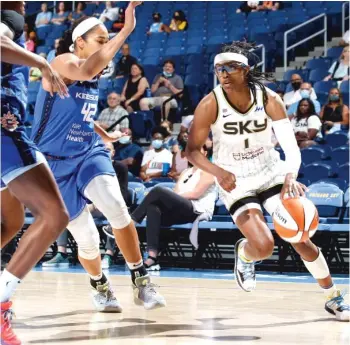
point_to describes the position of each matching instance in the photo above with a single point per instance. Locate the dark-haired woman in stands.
(334, 114)
(306, 123)
(134, 89)
(78, 13)
(178, 23)
(194, 195)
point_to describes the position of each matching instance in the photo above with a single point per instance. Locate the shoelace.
(150, 288)
(340, 301)
(8, 316)
(248, 272)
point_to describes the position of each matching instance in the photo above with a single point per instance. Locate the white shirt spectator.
(346, 37)
(155, 160)
(111, 14)
(294, 96)
(340, 72)
(303, 125)
(187, 122)
(110, 115)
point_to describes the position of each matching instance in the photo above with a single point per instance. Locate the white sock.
(329, 292)
(134, 266)
(8, 285)
(98, 277)
(242, 254)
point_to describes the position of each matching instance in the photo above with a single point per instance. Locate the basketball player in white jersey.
(241, 113)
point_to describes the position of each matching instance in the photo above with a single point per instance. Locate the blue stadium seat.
(104, 83)
(43, 32)
(151, 61)
(174, 51)
(343, 172)
(334, 52)
(336, 139)
(141, 123)
(324, 86)
(150, 72)
(317, 171)
(317, 75)
(118, 84)
(341, 183)
(194, 49)
(344, 86)
(318, 63)
(151, 52)
(304, 181)
(341, 155)
(310, 155)
(34, 86)
(194, 79)
(155, 44)
(328, 199)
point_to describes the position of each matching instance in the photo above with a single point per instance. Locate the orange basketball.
(296, 220)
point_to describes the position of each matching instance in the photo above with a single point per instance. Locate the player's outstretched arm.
(204, 117)
(73, 68)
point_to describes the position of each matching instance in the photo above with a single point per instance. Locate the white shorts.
(254, 191)
(6, 179)
(158, 102)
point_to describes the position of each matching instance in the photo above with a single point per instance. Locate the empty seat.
(341, 155)
(324, 86)
(340, 182)
(317, 75)
(310, 155)
(318, 63)
(343, 172)
(336, 139)
(317, 171)
(334, 52)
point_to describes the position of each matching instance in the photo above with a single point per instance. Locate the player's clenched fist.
(226, 180)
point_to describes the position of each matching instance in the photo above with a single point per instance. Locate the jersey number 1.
(89, 111)
(246, 144)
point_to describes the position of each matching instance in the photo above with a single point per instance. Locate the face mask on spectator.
(167, 74)
(334, 98)
(305, 94)
(296, 85)
(177, 17)
(156, 19)
(125, 140)
(157, 144)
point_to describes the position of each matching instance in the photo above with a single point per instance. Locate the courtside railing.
(323, 31)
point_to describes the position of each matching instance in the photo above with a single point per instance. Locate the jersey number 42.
(89, 110)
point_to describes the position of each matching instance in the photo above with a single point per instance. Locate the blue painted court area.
(206, 274)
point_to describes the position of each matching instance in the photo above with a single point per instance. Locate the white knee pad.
(104, 192)
(318, 268)
(85, 233)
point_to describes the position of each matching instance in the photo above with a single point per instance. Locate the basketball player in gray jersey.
(241, 113)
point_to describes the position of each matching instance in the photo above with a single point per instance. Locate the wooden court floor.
(55, 308)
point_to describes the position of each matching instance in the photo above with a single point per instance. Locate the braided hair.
(254, 76)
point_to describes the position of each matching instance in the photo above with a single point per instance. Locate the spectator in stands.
(128, 153)
(269, 6)
(120, 22)
(170, 141)
(157, 161)
(109, 71)
(294, 96)
(180, 162)
(339, 71)
(44, 17)
(110, 13)
(134, 89)
(334, 114)
(247, 7)
(31, 42)
(186, 123)
(193, 197)
(78, 13)
(306, 123)
(305, 92)
(35, 73)
(157, 25)
(164, 86)
(113, 113)
(125, 62)
(178, 23)
(61, 16)
(52, 53)
(345, 39)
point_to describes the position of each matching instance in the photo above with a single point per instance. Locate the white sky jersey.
(242, 142)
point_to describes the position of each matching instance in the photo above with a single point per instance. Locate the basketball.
(296, 220)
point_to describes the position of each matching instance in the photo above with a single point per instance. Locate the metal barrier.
(262, 62)
(344, 17)
(323, 31)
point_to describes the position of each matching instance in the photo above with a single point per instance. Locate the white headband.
(83, 28)
(225, 57)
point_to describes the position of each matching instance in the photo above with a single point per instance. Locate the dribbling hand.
(291, 188)
(226, 180)
(53, 81)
